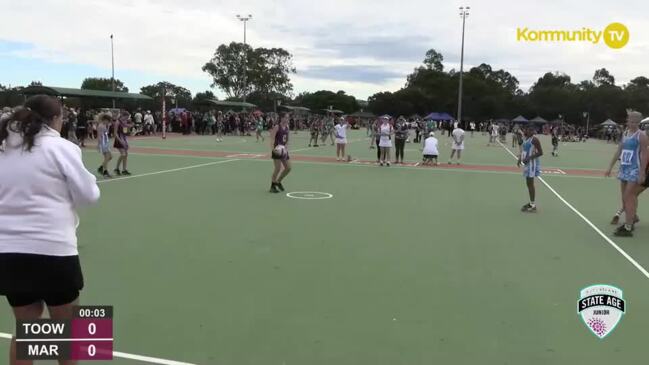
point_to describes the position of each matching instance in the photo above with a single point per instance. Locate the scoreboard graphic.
(87, 336)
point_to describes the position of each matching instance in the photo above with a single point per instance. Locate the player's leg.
(387, 156)
(618, 214)
(277, 167)
(22, 312)
(342, 151)
(63, 312)
(378, 150)
(630, 201)
(450, 160)
(117, 170)
(459, 156)
(531, 190)
(107, 157)
(285, 171)
(125, 163)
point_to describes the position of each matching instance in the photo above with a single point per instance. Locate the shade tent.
(363, 115)
(81, 93)
(538, 119)
(502, 120)
(646, 120)
(520, 119)
(611, 123)
(438, 116)
(335, 111)
(231, 104)
(295, 108)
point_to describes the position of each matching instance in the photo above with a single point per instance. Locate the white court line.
(605, 237)
(357, 163)
(165, 171)
(124, 355)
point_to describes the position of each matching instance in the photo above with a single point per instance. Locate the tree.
(201, 97)
(35, 83)
(101, 83)
(174, 94)
(3, 88)
(267, 70)
(433, 60)
(324, 99)
(603, 77)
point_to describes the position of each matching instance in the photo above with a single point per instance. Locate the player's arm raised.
(616, 157)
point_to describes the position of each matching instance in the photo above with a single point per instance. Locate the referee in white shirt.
(43, 183)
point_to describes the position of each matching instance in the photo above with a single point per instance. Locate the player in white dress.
(457, 144)
(385, 141)
(340, 130)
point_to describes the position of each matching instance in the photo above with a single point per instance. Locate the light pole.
(112, 61)
(245, 19)
(464, 13)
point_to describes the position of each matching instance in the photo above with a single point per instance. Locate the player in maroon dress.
(279, 138)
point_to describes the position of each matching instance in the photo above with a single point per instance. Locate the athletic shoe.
(381, 163)
(449, 163)
(387, 163)
(636, 220)
(615, 220)
(117, 172)
(280, 186)
(100, 170)
(273, 188)
(107, 175)
(622, 231)
(125, 172)
(458, 163)
(528, 208)
(315, 145)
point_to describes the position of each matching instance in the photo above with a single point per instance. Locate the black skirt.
(29, 273)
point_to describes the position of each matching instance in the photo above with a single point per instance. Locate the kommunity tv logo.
(615, 35)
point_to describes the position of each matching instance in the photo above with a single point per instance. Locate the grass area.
(401, 266)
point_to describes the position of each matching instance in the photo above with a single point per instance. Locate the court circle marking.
(309, 195)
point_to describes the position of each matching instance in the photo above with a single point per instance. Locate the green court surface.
(402, 265)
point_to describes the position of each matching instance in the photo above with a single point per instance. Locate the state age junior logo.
(601, 308)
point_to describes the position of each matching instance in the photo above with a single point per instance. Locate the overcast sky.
(360, 46)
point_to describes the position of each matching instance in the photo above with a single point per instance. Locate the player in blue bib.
(530, 152)
(632, 155)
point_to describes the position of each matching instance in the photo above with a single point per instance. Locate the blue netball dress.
(533, 167)
(630, 157)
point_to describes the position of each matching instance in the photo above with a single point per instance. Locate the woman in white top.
(43, 183)
(429, 150)
(385, 141)
(341, 138)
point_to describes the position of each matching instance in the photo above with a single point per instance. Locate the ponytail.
(38, 111)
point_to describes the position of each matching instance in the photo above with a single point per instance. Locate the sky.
(359, 46)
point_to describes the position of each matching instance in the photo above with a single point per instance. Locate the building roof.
(66, 91)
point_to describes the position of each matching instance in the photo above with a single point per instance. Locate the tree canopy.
(101, 83)
(493, 94)
(174, 93)
(268, 70)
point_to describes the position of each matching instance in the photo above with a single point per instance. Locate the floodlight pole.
(245, 19)
(464, 12)
(112, 61)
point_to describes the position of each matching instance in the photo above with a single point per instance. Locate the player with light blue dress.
(530, 152)
(632, 155)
